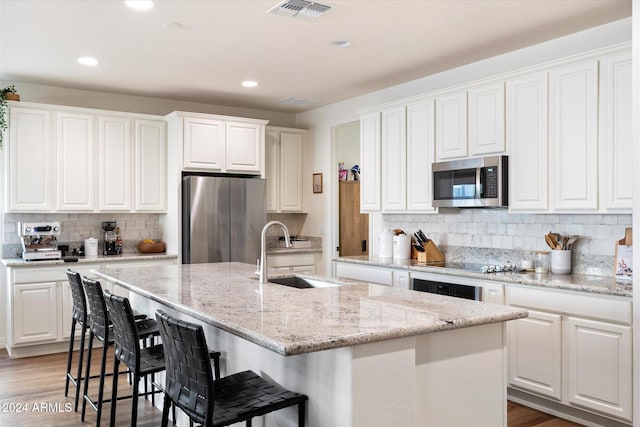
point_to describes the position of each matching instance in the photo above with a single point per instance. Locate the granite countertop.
(572, 282)
(19, 262)
(293, 321)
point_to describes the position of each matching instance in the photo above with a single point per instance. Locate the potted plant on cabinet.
(6, 94)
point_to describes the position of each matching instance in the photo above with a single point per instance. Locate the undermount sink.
(300, 283)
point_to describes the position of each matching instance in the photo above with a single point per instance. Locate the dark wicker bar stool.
(79, 317)
(140, 361)
(190, 385)
(100, 327)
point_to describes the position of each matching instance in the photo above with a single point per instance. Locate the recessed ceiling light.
(341, 43)
(249, 83)
(88, 61)
(139, 4)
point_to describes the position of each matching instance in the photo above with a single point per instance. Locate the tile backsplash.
(77, 227)
(495, 235)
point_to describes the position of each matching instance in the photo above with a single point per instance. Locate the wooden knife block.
(431, 254)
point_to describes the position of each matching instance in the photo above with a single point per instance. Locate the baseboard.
(559, 410)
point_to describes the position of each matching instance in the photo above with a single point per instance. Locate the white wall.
(347, 140)
(636, 210)
(137, 104)
(320, 121)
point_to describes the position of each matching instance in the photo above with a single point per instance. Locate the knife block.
(431, 254)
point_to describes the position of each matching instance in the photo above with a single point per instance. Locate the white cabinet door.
(616, 138)
(451, 125)
(401, 279)
(114, 158)
(527, 108)
(535, 353)
(599, 366)
(151, 166)
(370, 162)
(75, 162)
(31, 147)
(291, 145)
(420, 155)
(493, 293)
(394, 159)
(486, 119)
(243, 152)
(67, 312)
(573, 135)
(35, 313)
(204, 144)
(272, 157)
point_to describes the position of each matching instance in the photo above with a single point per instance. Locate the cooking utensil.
(550, 241)
(572, 240)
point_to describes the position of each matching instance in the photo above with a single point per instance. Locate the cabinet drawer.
(291, 260)
(46, 274)
(601, 307)
(381, 276)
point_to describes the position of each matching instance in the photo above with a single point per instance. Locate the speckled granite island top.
(19, 262)
(571, 282)
(294, 321)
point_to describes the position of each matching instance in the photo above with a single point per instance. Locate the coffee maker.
(110, 238)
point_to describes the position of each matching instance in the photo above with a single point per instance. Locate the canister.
(91, 247)
(541, 262)
(385, 243)
(401, 246)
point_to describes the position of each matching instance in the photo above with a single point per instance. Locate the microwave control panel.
(490, 186)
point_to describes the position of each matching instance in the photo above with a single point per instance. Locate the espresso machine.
(110, 238)
(39, 240)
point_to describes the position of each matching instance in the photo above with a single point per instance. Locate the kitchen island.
(366, 355)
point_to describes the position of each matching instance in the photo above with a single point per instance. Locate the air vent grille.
(297, 102)
(299, 9)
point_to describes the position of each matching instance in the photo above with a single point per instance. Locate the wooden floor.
(32, 394)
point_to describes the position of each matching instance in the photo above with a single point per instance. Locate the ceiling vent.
(297, 102)
(299, 9)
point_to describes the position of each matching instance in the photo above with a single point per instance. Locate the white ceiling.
(218, 43)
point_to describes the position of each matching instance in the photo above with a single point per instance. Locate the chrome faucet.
(263, 248)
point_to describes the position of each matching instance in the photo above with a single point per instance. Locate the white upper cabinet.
(486, 119)
(451, 125)
(204, 144)
(68, 159)
(212, 143)
(370, 162)
(616, 136)
(573, 135)
(528, 142)
(283, 169)
(244, 147)
(31, 147)
(151, 165)
(75, 162)
(394, 159)
(115, 154)
(420, 155)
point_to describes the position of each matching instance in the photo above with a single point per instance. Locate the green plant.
(3, 111)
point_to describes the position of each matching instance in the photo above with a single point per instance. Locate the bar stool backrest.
(125, 332)
(189, 379)
(77, 294)
(98, 317)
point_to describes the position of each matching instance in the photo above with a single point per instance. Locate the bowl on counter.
(151, 247)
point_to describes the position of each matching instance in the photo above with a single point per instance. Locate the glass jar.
(541, 262)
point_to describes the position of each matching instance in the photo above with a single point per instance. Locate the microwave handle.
(479, 182)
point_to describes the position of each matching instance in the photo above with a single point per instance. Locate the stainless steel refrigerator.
(222, 218)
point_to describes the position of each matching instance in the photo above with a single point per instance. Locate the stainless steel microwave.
(471, 183)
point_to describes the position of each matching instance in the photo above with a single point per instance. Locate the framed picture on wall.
(317, 183)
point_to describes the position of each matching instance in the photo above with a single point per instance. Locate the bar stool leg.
(85, 394)
(301, 414)
(103, 368)
(80, 357)
(69, 357)
(134, 403)
(114, 392)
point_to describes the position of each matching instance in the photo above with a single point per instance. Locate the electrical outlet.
(321, 229)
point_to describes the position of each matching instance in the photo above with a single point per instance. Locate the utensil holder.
(561, 261)
(431, 254)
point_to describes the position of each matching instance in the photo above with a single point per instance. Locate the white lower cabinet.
(39, 307)
(599, 366)
(535, 353)
(364, 273)
(401, 279)
(573, 348)
(35, 313)
(301, 263)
